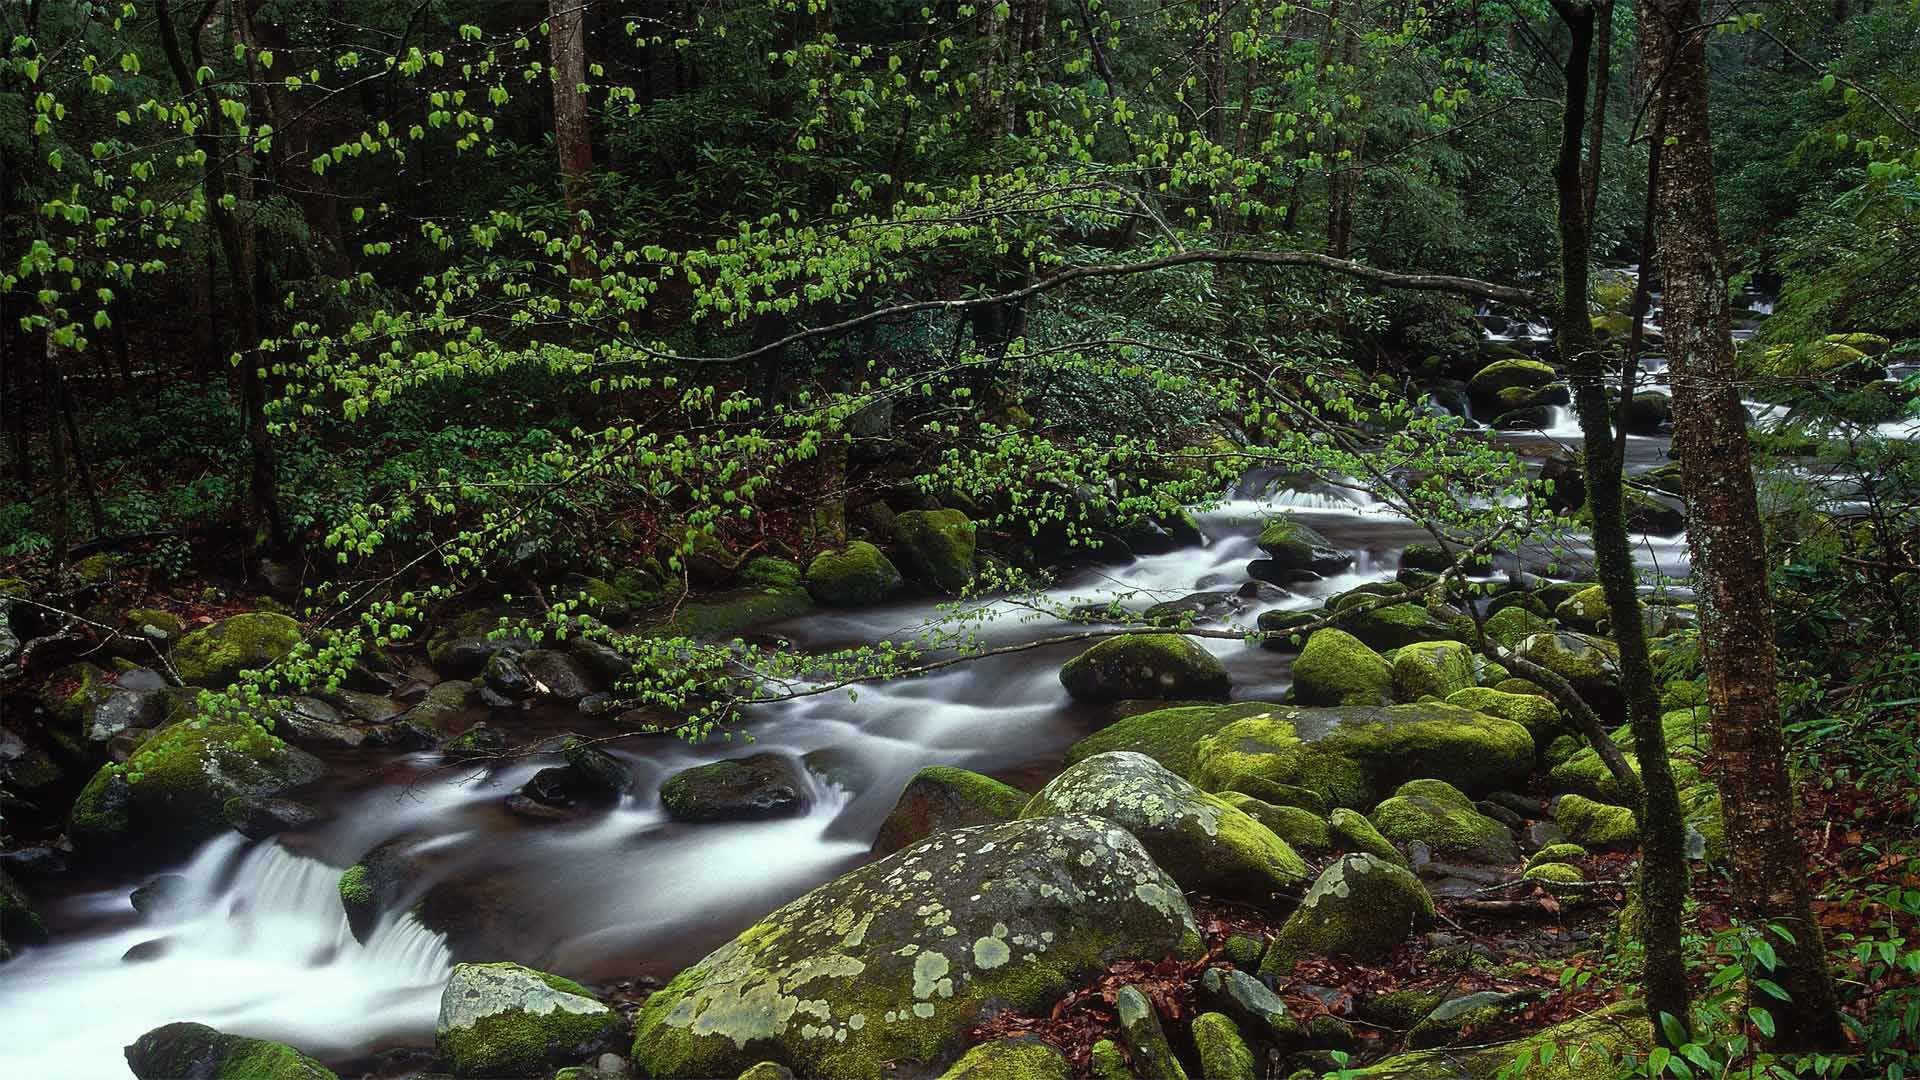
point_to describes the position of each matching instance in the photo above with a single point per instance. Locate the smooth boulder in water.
(1162, 666)
(939, 798)
(758, 786)
(186, 1051)
(937, 546)
(1203, 841)
(508, 1020)
(897, 960)
(1360, 906)
(1292, 546)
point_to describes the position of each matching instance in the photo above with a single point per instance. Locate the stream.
(258, 943)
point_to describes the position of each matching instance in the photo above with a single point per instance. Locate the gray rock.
(1259, 1011)
(742, 789)
(556, 675)
(1360, 906)
(507, 1020)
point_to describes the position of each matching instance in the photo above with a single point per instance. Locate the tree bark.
(1770, 885)
(572, 135)
(1602, 80)
(1663, 876)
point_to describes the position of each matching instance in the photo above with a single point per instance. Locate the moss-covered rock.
(1353, 756)
(1294, 547)
(1591, 664)
(1652, 515)
(1485, 387)
(197, 1052)
(855, 576)
(1441, 816)
(1164, 666)
(171, 793)
(1586, 774)
(1511, 625)
(1360, 906)
(216, 655)
(1585, 610)
(765, 785)
(1302, 829)
(722, 615)
(896, 960)
(1601, 1037)
(1018, 1058)
(1403, 624)
(1203, 841)
(1539, 715)
(1435, 668)
(1108, 1061)
(1595, 825)
(1565, 882)
(1168, 736)
(1223, 1053)
(940, 798)
(937, 546)
(1351, 831)
(1337, 669)
(441, 707)
(1140, 1029)
(507, 1020)
(1261, 1015)
(1560, 853)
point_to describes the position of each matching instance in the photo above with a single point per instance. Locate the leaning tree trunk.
(1663, 872)
(1770, 885)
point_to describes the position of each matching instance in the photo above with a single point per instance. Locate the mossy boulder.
(765, 785)
(507, 1020)
(1203, 841)
(1295, 547)
(1020, 1058)
(1336, 668)
(1168, 736)
(854, 576)
(895, 961)
(1511, 625)
(1595, 825)
(1585, 610)
(1561, 852)
(937, 546)
(170, 794)
(1648, 413)
(1439, 815)
(441, 707)
(1223, 1053)
(1360, 906)
(1140, 1029)
(186, 1051)
(1302, 829)
(1485, 388)
(1539, 715)
(723, 615)
(1396, 625)
(1651, 515)
(1354, 756)
(939, 798)
(216, 655)
(1591, 664)
(1436, 668)
(1163, 666)
(1280, 627)
(1563, 881)
(1350, 830)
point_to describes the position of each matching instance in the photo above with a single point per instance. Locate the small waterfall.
(257, 945)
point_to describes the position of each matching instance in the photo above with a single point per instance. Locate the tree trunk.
(572, 136)
(1602, 79)
(1770, 885)
(1663, 875)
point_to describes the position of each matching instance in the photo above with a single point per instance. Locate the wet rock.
(257, 817)
(1500, 814)
(1022, 1057)
(504, 675)
(1202, 841)
(364, 707)
(937, 546)
(857, 575)
(147, 951)
(1648, 413)
(1396, 625)
(591, 779)
(556, 676)
(313, 724)
(198, 1052)
(1541, 835)
(1360, 906)
(743, 789)
(508, 1020)
(1336, 668)
(1281, 628)
(478, 741)
(1653, 515)
(1292, 546)
(844, 768)
(905, 955)
(1353, 756)
(1270, 572)
(28, 771)
(1163, 666)
(1440, 816)
(402, 735)
(20, 924)
(1260, 1013)
(442, 707)
(1196, 608)
(1432, 668)
(607, 663)
(461, 649)
(160, 897)
(216, 655)
(1140, 1028)
(1168, 736)
(171, 794)
(1488, 384)
(939, 798)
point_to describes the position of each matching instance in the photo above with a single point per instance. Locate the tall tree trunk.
(265, 504)
(1663, 874)
(1770, 883)
(572, 137)
(1602, 80)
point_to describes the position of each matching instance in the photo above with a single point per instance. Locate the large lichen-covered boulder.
(1537, 714)
(187, 1051)
(939, 798)
(1360, 906)
(1397, 625)
(216, 655)
(507, 1020)
(1164, 666)
(1168, 735)
(170, 794)
(1354, 756)
(1020, 1058)
(1337, 668)
(1595, 825)
(1441, 816)
(937, 546)
(1204, 842)
(1293, 546)
(1431, 668)
(1486, 385)
(896, 960)
(854, 576)
(764, 785)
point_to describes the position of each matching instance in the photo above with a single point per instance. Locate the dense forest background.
(593, 315)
